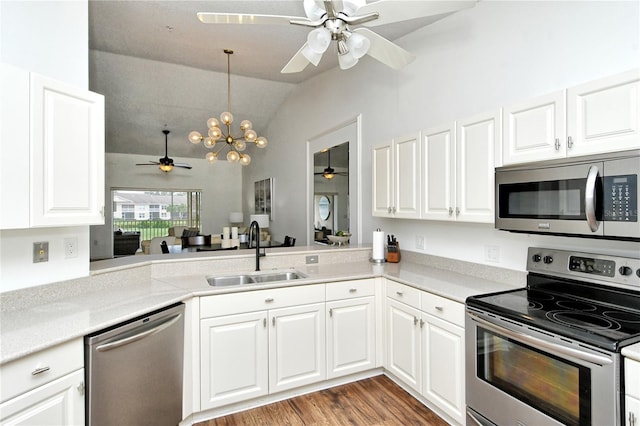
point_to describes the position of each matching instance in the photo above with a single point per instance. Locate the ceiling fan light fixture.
(312, 10)
(166, 167)
(235, 144)
(328, 173)
(319, 40)
(358, 45)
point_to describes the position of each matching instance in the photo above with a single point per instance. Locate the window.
(152, 213)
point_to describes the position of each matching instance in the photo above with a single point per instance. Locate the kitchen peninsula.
(41, 318)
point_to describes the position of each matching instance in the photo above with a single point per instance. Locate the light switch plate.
(41, 252)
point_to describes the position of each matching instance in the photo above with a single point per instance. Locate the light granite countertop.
(35, 319)
(632, 352)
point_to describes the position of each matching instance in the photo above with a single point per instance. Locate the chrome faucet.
(255, 225)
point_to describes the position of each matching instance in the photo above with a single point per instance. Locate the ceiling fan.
(334, 20)
(166, 164)
(329, 173)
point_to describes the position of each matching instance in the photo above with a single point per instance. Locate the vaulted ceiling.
(157, 64)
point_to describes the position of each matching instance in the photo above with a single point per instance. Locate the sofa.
(174, 237)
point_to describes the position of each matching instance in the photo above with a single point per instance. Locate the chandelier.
(235, 144)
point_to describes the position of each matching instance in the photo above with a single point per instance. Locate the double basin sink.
(254, 278)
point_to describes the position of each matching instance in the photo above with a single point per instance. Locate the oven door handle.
(590, 199)
(534, 341)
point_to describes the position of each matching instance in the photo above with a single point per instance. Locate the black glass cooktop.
(604, 317)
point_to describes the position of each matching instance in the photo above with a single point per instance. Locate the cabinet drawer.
(35, 370)
(631, 374)
(403, 293)
(350, 289)
(444, 308)
(248, 301)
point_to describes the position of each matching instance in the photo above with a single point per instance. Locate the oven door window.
(557, 387)
(554, 199)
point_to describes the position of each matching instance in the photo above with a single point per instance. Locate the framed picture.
(263, 196)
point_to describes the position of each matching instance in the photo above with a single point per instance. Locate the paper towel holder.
(378, 261)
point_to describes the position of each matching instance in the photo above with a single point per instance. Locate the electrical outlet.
(419, 242)
(41, 252)
(311, 259)
(70, 247)
(492, 253)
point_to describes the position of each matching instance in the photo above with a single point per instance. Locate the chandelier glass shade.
(219, 132)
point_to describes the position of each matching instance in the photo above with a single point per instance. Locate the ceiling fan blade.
(395, 11)
(182, 165)
(150, 163)
(246, 18)
(297, 63)
(385, 51)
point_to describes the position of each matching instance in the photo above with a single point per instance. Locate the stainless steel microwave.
(593, 196)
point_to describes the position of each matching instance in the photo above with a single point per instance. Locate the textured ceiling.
(182, 92)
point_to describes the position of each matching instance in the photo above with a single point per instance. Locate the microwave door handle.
(590, 198)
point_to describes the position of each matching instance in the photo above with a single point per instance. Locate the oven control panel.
(585, 266)
(588, 265)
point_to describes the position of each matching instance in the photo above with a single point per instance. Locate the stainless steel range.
(549, 354)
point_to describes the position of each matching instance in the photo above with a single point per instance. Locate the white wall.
(480, 59)
(220, 183)
(50, 38)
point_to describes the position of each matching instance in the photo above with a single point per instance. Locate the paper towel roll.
(378, 245)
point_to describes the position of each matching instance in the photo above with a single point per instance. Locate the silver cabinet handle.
(632, 419)
(399, 293)
(421, 323)
(39, 371)
(439, 308)
(273, 321)
(352, 290)
(569, 142)
(450, 211)
(590, 199)
(557, 144)
(268, 300)
(389, 209)
(415, 320)
(158, 328)
(457, 211)
(331, 312)
(264, 322)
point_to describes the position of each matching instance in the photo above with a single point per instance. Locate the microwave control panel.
(620, 198)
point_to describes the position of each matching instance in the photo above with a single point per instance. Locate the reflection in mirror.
(331, 191)
(333, 169)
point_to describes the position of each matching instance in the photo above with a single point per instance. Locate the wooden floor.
(374, 401)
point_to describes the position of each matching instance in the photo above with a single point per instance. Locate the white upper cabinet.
(604, 115)
(56, 176)
(457, 164)
(535, 129)
(596, 117)
(396, 178)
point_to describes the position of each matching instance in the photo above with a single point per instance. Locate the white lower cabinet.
(245, 355)
(60, 402)
(351, 327)
(425, 347)
(632, 392)
(44, 388)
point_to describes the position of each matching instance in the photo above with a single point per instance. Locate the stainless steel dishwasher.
(134, 371)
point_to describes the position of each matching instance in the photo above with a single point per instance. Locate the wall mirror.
(333, 194)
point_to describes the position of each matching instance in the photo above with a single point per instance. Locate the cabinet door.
(632, 411)
(67, 154)
(476, 140)
(60, 402)
(382, 181)
(297, 350)
(535, 129)
(604, 115)
(350, 336)
(438, 168)
(443, 368)
(406, 155)
(403, 343)
(234, 358)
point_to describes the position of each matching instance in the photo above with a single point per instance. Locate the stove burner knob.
(625, 270)
(537, 258)
(548, 259)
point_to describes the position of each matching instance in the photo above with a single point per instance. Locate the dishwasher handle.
(139, 336)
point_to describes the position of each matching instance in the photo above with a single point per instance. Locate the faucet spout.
(254, 226)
